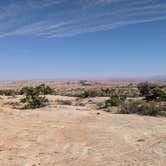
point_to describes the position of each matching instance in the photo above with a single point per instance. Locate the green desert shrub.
(9, 92)
(157, 94)
(33, 99)
(145, 88)
(113, 101)
(117, 100)
(41, 89)
(14, 105)
(89, 93)
(142, 108)
(97, 92)
(64, 102)
(45, 90)
(152, 92)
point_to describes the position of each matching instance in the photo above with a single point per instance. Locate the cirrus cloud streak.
(63, 18)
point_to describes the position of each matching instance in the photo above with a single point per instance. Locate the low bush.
(45, 90)
(15, 105)
(145, 88)
(89, 93)
(142, 108)
(117, 100)
(34, 102)
(64, 102)
(97, 92)
(157, 94)
(113, 101)
(32, 99)
(152, 92)
(41, 89)
(9, 92)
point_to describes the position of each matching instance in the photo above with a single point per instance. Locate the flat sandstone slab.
(50, 137)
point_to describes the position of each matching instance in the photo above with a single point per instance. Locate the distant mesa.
(85, 83)
(161, 78)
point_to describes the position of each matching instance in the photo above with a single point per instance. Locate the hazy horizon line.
(150, 77)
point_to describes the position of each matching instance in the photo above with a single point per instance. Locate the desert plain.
(60, 135)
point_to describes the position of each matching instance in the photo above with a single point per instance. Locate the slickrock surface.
(67, 137)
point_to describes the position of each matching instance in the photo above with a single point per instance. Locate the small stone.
(140, 140)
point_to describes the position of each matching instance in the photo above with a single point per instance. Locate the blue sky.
(53, 39)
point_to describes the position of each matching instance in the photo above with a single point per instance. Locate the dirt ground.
(71, 136)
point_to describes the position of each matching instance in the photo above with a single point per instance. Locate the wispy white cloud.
(62, 18)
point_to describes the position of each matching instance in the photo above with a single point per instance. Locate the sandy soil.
(64, 136)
